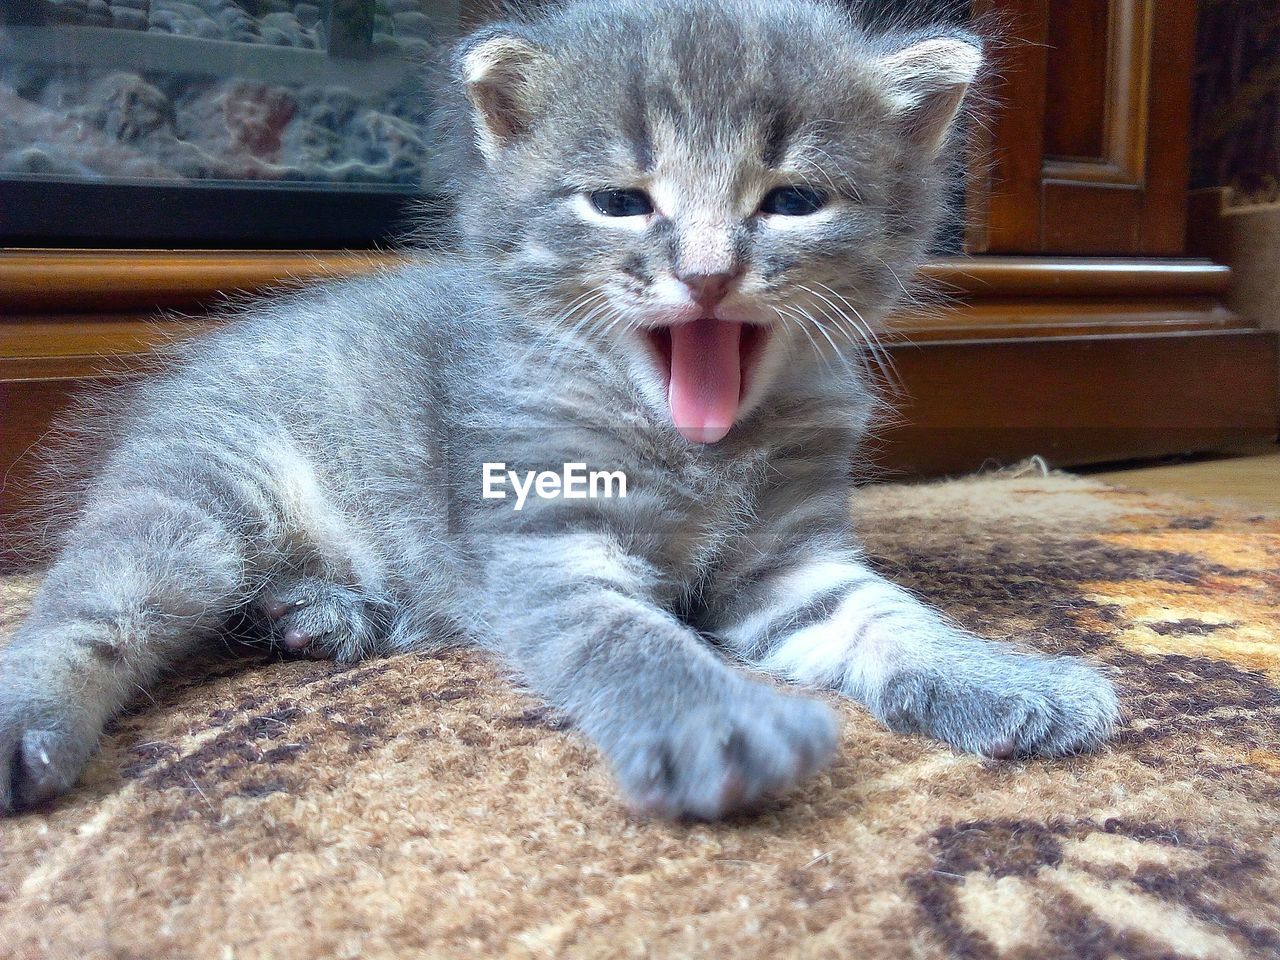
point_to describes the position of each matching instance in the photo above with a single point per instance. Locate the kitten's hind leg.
(146, 577)
(315, 617)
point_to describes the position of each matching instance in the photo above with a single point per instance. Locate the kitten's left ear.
(927, 82)
(503, 73)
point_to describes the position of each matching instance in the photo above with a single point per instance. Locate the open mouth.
(708, 364)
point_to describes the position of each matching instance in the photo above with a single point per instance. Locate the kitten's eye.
(793, 201)
(622, 203)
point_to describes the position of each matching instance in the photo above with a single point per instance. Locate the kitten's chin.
(707, 367)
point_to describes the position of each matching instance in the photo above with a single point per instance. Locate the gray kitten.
(672, 213)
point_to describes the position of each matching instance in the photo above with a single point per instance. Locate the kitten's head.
(714, 185)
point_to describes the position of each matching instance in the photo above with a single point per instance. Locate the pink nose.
(708, 289)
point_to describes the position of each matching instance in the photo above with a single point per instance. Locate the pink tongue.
(706, 378)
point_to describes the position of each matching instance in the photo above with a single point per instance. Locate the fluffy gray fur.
(316, 465)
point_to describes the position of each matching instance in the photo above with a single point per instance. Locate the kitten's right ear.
(503, 73)
(927, 81)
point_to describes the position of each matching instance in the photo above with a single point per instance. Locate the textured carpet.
(421, 807)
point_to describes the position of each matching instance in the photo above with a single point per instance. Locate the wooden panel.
(83, 284)
(42, 346)
(1076, 114)
(1079, 400)
(1004, 202)
(114, 280)
(1077, 276)
(30, 408)
(961, 404)
(1091, 218)
(1108, 86)
(1116, 52)
(1164, 207)
(1092, 203)
(1020, 318)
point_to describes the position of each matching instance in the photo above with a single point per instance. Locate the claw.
(275, 609)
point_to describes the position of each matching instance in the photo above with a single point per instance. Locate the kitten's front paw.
(718, 758)
(1001, 703)
(313, 617)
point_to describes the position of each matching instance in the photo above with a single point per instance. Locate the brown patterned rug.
(420, 807)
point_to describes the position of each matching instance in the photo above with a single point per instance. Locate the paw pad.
(320, 619)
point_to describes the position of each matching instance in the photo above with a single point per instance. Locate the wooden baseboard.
(63, 312)
(144, 281)
(118, 281)
(1078, 400)
(1079, 360)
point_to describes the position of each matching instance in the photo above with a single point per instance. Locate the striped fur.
(316, 466)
